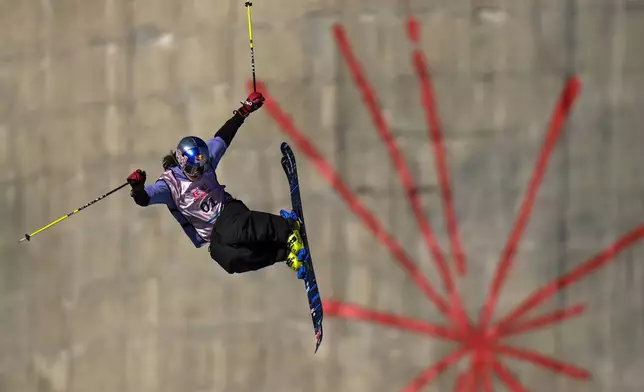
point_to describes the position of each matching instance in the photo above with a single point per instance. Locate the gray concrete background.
(116, 299)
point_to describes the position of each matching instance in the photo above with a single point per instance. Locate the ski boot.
(297, 255)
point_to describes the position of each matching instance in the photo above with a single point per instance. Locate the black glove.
(252, 103)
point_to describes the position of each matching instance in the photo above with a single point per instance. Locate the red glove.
(252, 103)
(136, 179)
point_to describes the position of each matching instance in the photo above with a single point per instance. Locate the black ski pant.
(243, 240)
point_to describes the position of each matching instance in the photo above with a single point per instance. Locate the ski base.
(310, 283)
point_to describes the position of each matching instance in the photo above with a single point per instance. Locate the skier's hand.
(137, 179)
(253, 102)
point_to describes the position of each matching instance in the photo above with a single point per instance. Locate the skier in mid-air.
(241, 240)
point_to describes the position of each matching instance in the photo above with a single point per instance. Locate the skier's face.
(194, 173)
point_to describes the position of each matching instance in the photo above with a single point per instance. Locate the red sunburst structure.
(481, 340)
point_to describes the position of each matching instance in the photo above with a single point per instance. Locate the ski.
(310, 283)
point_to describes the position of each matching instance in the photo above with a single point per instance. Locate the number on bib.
(207, 204)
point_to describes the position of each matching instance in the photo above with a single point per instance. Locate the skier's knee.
(226, 259)
(227, 266)
(223, 259)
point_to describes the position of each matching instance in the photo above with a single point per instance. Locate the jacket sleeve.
(217, 148)
(228, 131)
(157, 193)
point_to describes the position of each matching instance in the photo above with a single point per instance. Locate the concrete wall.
(116, 299)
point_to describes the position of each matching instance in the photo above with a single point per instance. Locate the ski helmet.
(192, 156)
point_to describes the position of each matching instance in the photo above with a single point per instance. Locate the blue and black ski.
(310, 283)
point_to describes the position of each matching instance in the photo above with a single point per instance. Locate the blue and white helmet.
(192, 156)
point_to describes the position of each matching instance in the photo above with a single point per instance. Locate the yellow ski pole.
(249, 4)
(62, 218)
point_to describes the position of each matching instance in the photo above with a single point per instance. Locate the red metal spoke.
(436, 136)
(542, 360)
(474, 379)
(476, 367)
(333, 308)
(541, 321)
(507, 378)
(435, 370)
(465, 381)
(599, 260)
(559, 116)
(488, 385)
(368, 219)
(481, 371)
(410, 186)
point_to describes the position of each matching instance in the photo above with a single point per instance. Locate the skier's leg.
(239, 260)
(282, 230)
(238, 225)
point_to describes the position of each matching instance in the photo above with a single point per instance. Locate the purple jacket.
(160, 193)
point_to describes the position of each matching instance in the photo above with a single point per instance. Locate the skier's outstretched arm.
(145, 195)
(225, 135)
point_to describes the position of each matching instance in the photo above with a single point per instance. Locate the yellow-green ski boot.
(297, 255)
